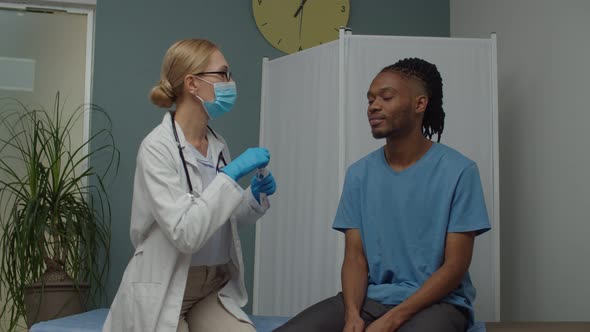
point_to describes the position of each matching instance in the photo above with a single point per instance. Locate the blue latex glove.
(248, 161)
(266, 186)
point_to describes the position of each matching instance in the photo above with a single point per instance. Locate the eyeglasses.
(223, 74)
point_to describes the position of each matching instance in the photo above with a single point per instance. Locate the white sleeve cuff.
(259, 208)
(234, 183)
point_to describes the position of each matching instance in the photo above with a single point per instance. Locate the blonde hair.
(188, 56)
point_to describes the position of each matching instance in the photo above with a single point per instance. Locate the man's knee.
(324, 316)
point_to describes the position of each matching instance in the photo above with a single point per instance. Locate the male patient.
(410, 212)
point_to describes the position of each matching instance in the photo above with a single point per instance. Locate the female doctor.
(186, 273)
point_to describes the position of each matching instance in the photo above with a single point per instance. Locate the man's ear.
(421, 103)
(191, 84)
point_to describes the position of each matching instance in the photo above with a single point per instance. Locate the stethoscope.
(220, 158)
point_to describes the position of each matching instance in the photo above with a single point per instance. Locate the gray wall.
(131, 38)
(543, 71)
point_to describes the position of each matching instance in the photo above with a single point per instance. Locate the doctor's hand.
(265, 186)
(245, 163)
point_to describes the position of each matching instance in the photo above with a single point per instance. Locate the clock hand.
(300, 24)
(300, 8)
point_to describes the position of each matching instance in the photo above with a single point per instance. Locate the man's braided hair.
(427, 73)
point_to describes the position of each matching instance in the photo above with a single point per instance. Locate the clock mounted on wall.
(294, 25)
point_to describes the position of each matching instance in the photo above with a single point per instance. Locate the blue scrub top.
(404, 218)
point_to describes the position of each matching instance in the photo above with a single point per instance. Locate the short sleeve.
(468, 210)
(348, 214)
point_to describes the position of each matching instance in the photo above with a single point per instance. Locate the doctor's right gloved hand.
(245, 163)
(266, 186)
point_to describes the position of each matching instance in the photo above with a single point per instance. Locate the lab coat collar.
(215, 145)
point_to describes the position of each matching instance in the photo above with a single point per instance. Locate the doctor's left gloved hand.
(266, 186)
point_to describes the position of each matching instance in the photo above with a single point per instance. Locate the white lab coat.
(167, 226)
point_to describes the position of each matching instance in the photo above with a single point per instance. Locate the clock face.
(294, 25)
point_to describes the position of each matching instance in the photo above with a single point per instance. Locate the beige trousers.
(201, 309)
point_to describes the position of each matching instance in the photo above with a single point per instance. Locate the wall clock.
(294, 25)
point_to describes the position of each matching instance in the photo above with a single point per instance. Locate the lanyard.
(188, 178)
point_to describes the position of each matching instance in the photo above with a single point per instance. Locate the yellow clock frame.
(294, 25)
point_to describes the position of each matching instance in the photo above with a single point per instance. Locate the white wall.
(57, 42)
(543, 78)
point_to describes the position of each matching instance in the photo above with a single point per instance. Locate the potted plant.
(54, 212)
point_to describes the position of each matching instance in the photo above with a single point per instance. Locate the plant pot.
(55, 299)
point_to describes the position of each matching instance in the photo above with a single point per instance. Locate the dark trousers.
(328, 316)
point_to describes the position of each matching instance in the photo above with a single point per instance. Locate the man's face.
(395, 105)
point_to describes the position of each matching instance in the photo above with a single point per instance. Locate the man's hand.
(354, 324)
(390, 322)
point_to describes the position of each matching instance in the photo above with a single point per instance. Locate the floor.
(538, 327)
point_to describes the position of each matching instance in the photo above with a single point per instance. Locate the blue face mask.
(226, 94)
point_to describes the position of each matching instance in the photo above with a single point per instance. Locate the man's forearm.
(440, 284)
(458, 252)
(354, 284)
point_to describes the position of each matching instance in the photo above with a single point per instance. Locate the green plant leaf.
(56, 211)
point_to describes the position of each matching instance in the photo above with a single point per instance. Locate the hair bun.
(162, 94)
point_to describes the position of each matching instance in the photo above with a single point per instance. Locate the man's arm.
(458, 252)
(354, 279)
